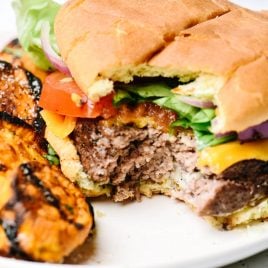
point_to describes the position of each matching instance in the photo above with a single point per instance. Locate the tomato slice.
(61, 95)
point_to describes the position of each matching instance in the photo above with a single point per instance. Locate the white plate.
(157, 232)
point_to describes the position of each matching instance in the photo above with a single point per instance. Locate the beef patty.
(123, 156)
(126, 155)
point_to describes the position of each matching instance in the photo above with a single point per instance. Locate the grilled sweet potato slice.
(43, 216)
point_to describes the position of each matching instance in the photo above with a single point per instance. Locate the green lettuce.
(199, 120)
(140, 92)
(30, 16)
(206, 139)
(148, 90)
(122, 96)
(174, 103)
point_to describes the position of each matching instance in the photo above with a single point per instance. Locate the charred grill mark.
(12, 202)
(91, 209)
(5, 66)
(13, 120)
(16, 206)
(27, 172)
(11, 226)
(39, 123)
(3, 167)
(11, 231)
(12, 52)
(78, 225)
(35, 85)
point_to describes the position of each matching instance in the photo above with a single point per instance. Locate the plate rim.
(216, 260)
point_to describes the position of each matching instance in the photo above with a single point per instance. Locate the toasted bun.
(99, 36)
(224, 47)
(264, 13)
(120, 39)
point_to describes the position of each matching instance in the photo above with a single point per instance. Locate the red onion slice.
(197, 102)
(254, 133)
(52, 56)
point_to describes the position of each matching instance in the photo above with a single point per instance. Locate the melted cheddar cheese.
(220, 157)
(59, 125)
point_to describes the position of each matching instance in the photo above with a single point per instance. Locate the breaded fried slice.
(43, 216)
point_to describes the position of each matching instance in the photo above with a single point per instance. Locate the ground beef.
(211, 194)
(125, 156)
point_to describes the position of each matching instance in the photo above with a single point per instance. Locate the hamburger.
(157, 97)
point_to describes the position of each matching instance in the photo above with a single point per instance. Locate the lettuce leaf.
(30, 16)
(195, 126)
(122, 96)
(203, 116)
(205, 139)
(148, 90)
(199, 120)
(140, 92)
(174, 103)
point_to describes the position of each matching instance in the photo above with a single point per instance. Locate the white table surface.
(7, 30)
